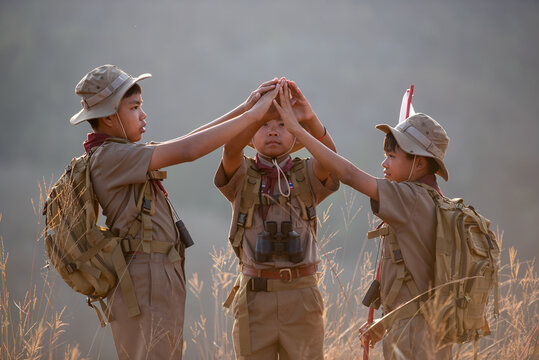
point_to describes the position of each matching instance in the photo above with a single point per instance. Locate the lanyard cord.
(279, 172)
(370, 317)
(264, 212)
(376, 274)
(157, 184)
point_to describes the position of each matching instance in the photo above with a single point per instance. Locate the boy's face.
(397, 165)
(132, 117)
(272, 139)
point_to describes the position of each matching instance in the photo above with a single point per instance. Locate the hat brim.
(412, 147)
(297, 146)
(109, 105)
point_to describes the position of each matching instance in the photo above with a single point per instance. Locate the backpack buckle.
(397, 256)
(311, 213)
(147, 206)
(242, 217)
(71, 268)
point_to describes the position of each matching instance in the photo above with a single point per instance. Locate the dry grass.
(31, 328)
(514, 331)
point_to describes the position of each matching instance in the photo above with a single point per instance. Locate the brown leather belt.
(285, 274)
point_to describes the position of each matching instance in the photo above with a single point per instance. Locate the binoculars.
(185, 237)
(270, 243)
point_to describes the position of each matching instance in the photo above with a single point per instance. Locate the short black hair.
(391, 145)
(135, 89)
(94, 123)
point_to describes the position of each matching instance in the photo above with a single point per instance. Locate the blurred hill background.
(473, 63)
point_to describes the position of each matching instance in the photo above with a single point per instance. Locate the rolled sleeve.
(230, 187)
(122, 164)
(319, 190)
(396, 202)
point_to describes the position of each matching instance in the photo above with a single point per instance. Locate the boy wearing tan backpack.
(429, 242)
(142, 243)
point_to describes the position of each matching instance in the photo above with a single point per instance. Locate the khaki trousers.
(410, 339)
(157, 333)
(285, 324)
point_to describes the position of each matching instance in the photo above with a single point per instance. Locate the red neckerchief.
(430, 180)
(270, 174)
(93, 140)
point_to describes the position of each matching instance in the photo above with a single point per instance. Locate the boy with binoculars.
(278, 309)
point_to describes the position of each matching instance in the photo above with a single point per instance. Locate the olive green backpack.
(466, 271)
(89, 257)
(465, 274)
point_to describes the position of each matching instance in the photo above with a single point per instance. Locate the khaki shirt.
(118, 172)
(411, 213)
(231, 189)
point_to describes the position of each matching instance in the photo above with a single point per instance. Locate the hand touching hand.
(300, 104)
(257, 94)
(285, 110)
(261, 106)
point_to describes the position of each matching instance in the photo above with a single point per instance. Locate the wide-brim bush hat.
(101, 91)
(421, 135)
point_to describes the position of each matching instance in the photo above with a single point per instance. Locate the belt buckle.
(283, 274)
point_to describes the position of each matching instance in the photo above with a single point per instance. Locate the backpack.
(465, 274)
(466, 249)
(89, 257)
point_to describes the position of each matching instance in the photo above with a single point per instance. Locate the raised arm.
(233, 149)
(344, 170)
(243, 107)
(308, 119)
(208, 138)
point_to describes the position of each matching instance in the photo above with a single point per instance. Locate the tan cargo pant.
(411, 339)
(157, 333)
(284, 324)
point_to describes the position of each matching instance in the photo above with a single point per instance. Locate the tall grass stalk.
(513, 331)
(32, 328)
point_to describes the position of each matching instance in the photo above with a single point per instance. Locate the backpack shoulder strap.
(302, 191)
(249, 198)
(404, 277)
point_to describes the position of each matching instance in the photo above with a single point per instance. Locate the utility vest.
(89, 257)
(465, 273)
(250, 198)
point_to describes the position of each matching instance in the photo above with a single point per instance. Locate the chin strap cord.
(412, 170)
(122, 126)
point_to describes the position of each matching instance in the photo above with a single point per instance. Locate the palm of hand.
(302, 109)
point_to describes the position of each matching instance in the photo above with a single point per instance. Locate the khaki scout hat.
(101, 91)
(421, 135)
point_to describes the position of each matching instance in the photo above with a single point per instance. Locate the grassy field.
(32, 327)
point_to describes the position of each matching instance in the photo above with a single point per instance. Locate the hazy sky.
(473, 63)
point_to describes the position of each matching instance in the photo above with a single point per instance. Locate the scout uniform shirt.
(118, 172)
(411, 213)
(232, 188)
